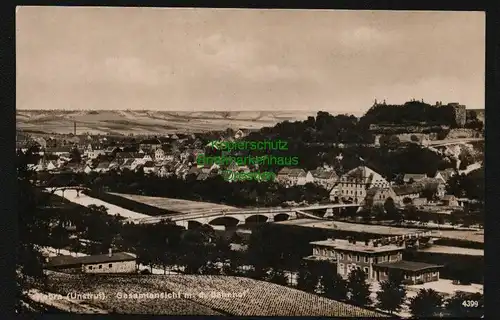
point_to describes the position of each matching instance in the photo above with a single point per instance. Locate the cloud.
(245, 59)
(134, 70)
(225, 52)
(364, 37)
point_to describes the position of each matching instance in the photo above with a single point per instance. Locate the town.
(249, 162)
(371, 213)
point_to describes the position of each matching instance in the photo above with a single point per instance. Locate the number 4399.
(470, 303)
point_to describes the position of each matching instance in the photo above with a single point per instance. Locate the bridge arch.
(193, 224)
(227, 221)
(282, 216)
(256, 218)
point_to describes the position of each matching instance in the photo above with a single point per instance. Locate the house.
(149, 167)
(294, 177)
(240, 134)
(378, 195)
(353, 185)
(406, 194)
(147, 158)
(51, 165)
(413, 177)
(102, 167)
(111, 150)
(163, 172)
(376, 260)
(94, 154)
(445, 175)
(87, 169)
(150, 144)
(119, 262)
(160, 153)
(437, 185)
(128, 164)
(450, 201)
(324, 178)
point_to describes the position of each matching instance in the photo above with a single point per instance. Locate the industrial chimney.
(110, 252)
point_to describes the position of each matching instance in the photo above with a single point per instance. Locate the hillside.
(201, 295)
(149, 122)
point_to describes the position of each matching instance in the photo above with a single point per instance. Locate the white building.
(119, 262)
(354, 184)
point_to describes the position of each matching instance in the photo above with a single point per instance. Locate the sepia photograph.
(250, 162)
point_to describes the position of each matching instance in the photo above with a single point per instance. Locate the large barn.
(119, 262)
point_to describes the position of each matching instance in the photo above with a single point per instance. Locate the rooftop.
(414, 176)
(359, 246)
(61, 261)
(408, 265)
(321, 173)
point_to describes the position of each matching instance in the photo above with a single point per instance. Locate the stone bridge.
(233, 218)
(77, 188)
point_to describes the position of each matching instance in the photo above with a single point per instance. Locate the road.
(85, 200)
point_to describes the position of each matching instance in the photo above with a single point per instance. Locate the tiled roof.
(323, 174)
(361, 174)
(61, 261)
(103, 165)
(414, 176)
(292, 172)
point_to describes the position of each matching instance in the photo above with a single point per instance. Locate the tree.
(391, 296)
(210, 269)
(306, 280)
(259, 273)
(334, 286)
(464, 304)
(75, 156)
(414, 138)
(33, 229)
(427, 303)
(378, 211)
(278, 276)
(359, 289)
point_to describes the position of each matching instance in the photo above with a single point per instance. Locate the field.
(175, 205)
(202, 295)
(149, 122)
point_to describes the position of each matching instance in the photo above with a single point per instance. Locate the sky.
(188, 59)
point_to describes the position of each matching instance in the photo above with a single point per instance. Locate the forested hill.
(410, 113)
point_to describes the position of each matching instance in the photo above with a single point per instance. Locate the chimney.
(110, 252)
